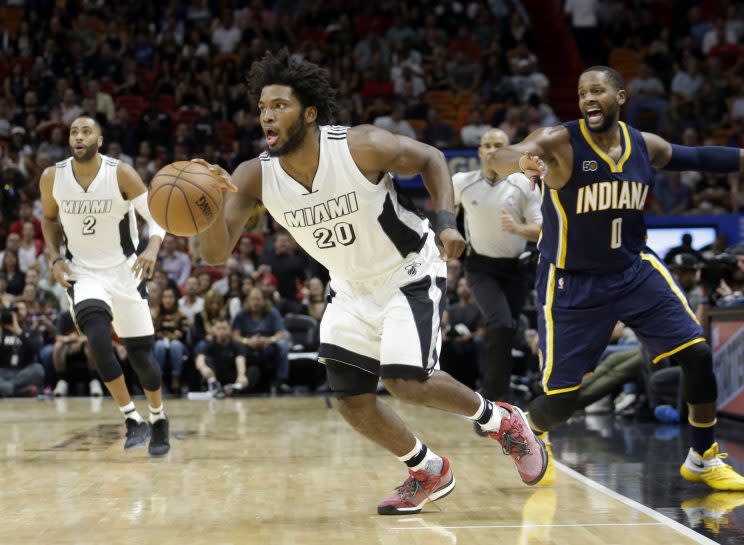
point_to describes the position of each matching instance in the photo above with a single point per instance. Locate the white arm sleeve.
(140, 205)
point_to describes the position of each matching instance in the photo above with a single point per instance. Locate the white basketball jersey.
(356, 229)
(99, 225)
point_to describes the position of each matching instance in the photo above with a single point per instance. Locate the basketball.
(184, 198)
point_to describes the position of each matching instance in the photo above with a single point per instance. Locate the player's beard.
(89, 154)
(610, 119)
(295, 136)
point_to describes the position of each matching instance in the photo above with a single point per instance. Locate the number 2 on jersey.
(342, 232)
(616, 240)
(89, 225)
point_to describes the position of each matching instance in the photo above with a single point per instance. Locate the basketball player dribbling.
(595, 268)
(88, 202)
(329, 187)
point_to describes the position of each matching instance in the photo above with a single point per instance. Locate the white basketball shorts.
(391, 327)
(120, 290)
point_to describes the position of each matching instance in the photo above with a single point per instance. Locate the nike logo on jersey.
(325, 211)
(613, 195)
(87, 206)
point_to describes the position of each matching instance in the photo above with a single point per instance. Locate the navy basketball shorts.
(577, 313)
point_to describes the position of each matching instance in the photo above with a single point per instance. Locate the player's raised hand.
(61, 272)
(223, 177)
(533, 167)
(453, 243)
(144, 265)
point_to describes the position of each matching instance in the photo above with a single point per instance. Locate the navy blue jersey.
(595, 222)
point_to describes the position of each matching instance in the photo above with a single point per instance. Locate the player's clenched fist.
(453, 243)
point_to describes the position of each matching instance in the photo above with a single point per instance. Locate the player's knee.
(349, 381)
(548, 411)
(356, 407)
(696, 362)
(410, 390)
(92, 316)
(139, 352)
(94, 319)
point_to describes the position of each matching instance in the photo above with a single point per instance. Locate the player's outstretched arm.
(134, 190)
(50, 227)
(533, 156)
(377, 151)
(666, 156)
(243, 191)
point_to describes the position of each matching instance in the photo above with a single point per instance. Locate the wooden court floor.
(278, 471)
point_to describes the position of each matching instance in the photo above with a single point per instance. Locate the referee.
(492, 265)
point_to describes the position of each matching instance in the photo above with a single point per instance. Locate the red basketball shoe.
(518, 441)
(418, 489)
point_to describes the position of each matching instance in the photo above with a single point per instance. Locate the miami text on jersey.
(331, 209)
(86, 206)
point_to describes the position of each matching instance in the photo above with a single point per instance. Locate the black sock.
(418, 457)
(702, 438)
(487, 413)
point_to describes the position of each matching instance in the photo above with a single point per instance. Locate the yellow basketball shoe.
(551, 472)
(712, 510)
(711, 470)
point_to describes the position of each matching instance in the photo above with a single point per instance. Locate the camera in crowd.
(722, 276)
(717, 268)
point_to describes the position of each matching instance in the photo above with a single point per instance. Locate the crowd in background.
(166, 82)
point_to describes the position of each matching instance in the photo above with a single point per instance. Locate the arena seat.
(626, 61)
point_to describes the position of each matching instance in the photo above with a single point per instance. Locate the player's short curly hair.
(613, 75)
(307, 80)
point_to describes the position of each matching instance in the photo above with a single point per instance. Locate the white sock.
(481, 408)
(492, 421)
(431, 462)
(129, 411)
(415, 450)
(156, 413)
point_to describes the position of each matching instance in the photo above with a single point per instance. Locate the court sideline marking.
(663, 519)
(660, 518)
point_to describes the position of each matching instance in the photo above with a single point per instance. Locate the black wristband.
(444, 220)
(60, 258)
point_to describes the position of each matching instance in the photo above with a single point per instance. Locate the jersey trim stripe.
(681, 347)
(614, 167)
(562, 227)
(68, 253)
(550, 337)
(542, 203)
(405, 239)
(125, 236)
(417, 295)
(656, 264)
(328, 351)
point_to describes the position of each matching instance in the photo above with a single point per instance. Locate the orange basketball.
(184, 198)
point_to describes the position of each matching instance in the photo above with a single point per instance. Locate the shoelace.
(716, 461)
(410, 487)
(511, 445)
